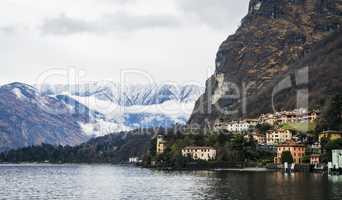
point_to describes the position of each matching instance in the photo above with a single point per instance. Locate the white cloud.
(120, 21)
(7, 29)
(218, 14)
(170, 39)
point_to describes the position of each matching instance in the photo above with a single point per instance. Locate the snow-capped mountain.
(128, 107)
(69, 115)
(128, 95)
(29, 118)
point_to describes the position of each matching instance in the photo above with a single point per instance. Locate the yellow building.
(161, 144)
(297, 151)
(199, 153)
(274, 137)
(330, 135)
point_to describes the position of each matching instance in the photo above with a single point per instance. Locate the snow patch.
(17, 92)
(257, 6)
(101, 128)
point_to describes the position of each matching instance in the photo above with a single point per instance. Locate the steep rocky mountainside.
(28, 118)
(275, 39)
(323, 66)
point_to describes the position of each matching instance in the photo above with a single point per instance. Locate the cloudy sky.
(163, 40)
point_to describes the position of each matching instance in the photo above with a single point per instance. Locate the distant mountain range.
(71, 114)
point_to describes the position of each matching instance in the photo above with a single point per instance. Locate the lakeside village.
(284, 140)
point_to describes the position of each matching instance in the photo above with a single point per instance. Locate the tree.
(263, 128)
(331, 114)
(306, 159)
(328, 146)
(286, 156)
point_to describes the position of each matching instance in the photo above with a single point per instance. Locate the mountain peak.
(20, 89)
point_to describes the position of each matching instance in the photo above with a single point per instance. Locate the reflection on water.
(120, 182)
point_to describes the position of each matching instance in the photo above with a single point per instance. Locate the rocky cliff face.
(271, 42)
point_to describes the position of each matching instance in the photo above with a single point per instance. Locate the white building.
(240, 126)
(133, 160)
(199, 153)
(236, 126)
(337, 158)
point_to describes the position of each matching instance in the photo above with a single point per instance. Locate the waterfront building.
(161, 144)
(315, 159)
(199, 153)
(330, 135)
(133, 160)
(297, 151)
(337, 158)
(278, 136)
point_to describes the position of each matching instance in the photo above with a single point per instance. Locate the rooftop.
(331, 132)
(290, 143)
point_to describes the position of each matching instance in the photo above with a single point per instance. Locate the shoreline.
(217, 169)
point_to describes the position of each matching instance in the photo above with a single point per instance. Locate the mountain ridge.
(31, 116)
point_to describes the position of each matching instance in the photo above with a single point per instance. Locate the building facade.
(236, 126)
(275, 137)
(297, 151)
(258, 137)
(268, 119)
(295, 116)
(161, 144)
(315, 159)
(199, 153)
(337, 158)
(330, 135)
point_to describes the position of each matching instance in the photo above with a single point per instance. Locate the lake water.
(123, 182)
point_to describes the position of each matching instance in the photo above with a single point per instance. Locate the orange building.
(297, 151)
